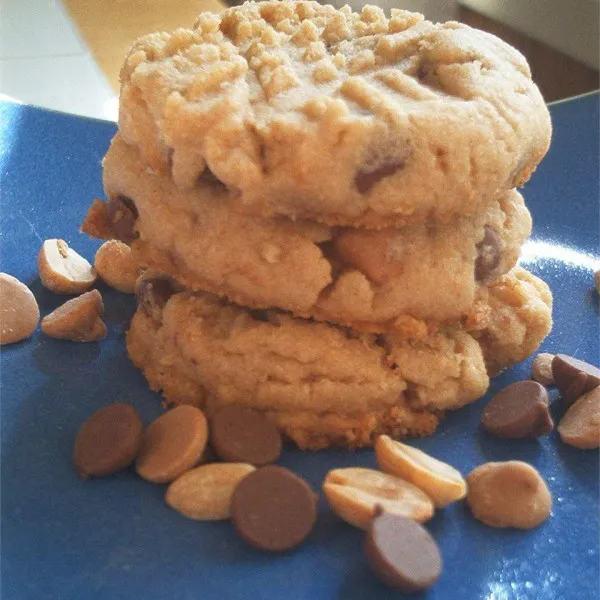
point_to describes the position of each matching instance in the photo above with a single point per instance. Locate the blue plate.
(64, 538)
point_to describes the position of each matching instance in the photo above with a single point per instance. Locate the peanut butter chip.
(520, 410)
(273, 509)
(115, 264)
(402, 553)
(580, 427)
(108, 441)
(508, 494)
(574, 377)
(78, 320)
(172, 444)
(19, 311)
(240, 434)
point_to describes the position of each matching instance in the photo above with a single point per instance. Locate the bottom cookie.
(326, 385)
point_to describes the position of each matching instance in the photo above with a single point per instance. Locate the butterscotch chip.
(441, 482)
(172, 444)
(62, 270)
(117, 267)
(541, 368)
(356, 494)
(240, 434)
(19, 311)
(273, 509)
(78, 320)
(108, 441)
(580, 427)
(204, 493)
(508, 494)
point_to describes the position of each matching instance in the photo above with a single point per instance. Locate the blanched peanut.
(356, 494)
(204, 493)
(62, 270)
(441, 482)
(78, 320)
(541, 369)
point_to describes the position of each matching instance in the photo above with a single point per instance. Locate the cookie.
(512, 316)
(353, 119)
(323, 385)
(363, 278)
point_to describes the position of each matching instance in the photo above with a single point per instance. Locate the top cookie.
(346, 118)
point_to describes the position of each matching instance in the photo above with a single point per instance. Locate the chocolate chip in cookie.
(488, 255)
(153, 294)
(122, 214)
(365, 180)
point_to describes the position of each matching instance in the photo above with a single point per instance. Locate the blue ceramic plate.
(63, 538)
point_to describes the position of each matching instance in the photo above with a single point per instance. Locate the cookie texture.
(370, 280)
(323, 385)
(515, 315)
(303, 110)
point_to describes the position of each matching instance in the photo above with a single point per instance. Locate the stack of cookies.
(325, 205)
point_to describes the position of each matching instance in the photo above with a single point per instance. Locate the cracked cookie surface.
(354, 119)
(322, 384)
(370, 280)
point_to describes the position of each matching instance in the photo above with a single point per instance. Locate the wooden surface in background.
(109, 27)
(557, 75)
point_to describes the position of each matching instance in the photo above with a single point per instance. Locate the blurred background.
(66, 55)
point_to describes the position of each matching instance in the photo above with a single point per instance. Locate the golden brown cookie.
(363, 278)
(307, 111)
(516, 315)
(323, 385)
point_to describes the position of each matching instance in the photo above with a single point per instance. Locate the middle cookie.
(367, 279)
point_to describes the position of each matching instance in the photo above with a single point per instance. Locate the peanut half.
(62, 270)
(204, 493)
(357, 495)
(78, 320)
(441, 482)
(541, 368)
